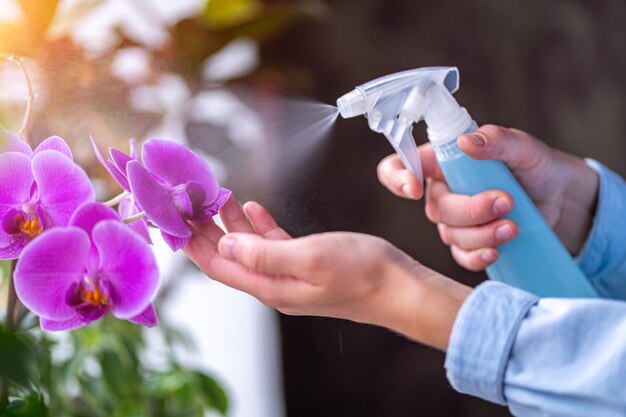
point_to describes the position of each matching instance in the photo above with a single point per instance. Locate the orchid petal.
(59, 325)
(16, 180)
(117, 175)
(15, 144)
(54, 143)
(183, 204)
(147, 318)
(128, 267)
(89, 214)
(196, 192)
(50, 266)
(174, 242)
(63, 186)
(222, 197)
(12, 249)
(120, 159)
(209, 211)
(177, 165)
(11, 243)
(128, 208)
(10, 221)
(156, 200)
(89, 313)
(86, 217)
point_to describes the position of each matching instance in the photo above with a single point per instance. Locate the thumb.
(260, 254)
(518, 149)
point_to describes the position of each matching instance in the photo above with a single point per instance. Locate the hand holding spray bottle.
(535, 261)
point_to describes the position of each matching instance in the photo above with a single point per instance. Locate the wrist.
(424, 304)
(579, 203)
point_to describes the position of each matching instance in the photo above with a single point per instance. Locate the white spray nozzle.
(352, 104)
(394, 102)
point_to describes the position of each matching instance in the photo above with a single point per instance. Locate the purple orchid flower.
(74, 275)
(39, 189)
(172, 186)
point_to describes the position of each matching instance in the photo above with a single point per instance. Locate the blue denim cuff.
(604, 253)
(482, 338)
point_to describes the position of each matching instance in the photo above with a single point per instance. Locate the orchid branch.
(12, 306)
(135, 217)
(30, 98)
(12, 300)
(117, 199)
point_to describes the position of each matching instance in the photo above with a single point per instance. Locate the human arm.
(542, 358)
(603, 256)
(345, 275)
(548, 357)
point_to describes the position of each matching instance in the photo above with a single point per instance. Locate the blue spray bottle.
(535, 261)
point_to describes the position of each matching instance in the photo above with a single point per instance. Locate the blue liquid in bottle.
(535, 261)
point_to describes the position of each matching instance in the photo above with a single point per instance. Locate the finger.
(443, 234)
(442, 206)
(471, 238)
(263, 222)
(208, 230)
(399, 180)
(517, 149)
(264, 255)
(393, 174)
(475, 260)
(234, 218)
(430, 165)
(273, 290)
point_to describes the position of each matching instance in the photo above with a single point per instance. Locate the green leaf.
(31, 405)
(16, 405)
(114, 374)
(16, 358)
(226, 13)
(167, 383)
(212, 393)
(196, 39)
(269, 24)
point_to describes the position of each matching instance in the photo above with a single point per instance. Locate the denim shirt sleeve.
(542, 358)
(603, 257)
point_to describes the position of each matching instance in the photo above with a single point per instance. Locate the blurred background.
(239, 81)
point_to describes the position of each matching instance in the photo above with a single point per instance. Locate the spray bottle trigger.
(407, 150)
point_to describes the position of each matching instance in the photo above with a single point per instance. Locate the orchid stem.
(30, 98)
(12, 305)
(12, 300)
(134, 218)
(116, 200)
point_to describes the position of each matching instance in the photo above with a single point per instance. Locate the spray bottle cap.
(394, 102)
